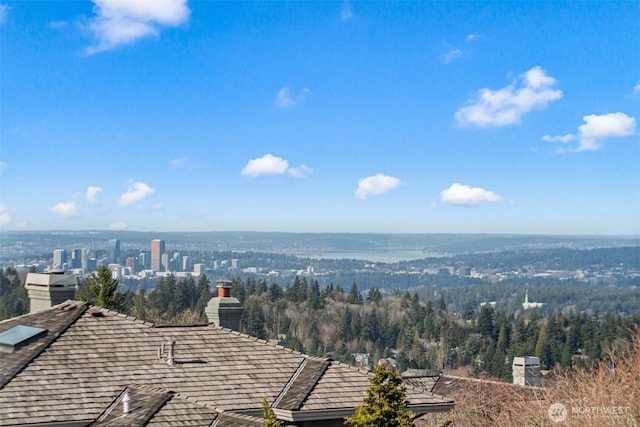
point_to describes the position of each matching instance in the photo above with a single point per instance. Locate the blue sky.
(411, 117)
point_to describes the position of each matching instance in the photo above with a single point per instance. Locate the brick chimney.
(224, 310)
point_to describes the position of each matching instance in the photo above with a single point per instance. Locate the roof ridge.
(117, 313)
(351, 367)
(287, 386)
(485, 381)
(186, 325)
(316, 377)
(47, 341)
(195, 401)
(166, 396)
(303, 392)
(267, 342)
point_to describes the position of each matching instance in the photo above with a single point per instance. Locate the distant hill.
(307, 244)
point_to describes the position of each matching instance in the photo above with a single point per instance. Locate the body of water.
(384, 255)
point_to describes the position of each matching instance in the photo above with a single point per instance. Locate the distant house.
(78, 365)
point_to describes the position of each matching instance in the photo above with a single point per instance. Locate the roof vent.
(126, 403)
(18, 336)
(169, 354)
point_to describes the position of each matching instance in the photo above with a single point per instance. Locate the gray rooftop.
(90, 357)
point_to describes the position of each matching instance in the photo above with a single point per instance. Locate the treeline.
(340, 323)
(13, 295)
(422, 334)
(412, 331)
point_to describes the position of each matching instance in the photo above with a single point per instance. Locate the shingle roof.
(55, 322)
(301, 383)
(426, 383)
(144, 403)
(90, 356)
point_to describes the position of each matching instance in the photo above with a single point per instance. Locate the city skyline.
(411, 117)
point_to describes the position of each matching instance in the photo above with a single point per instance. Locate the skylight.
(19, 335)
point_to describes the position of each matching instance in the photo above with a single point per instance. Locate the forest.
(410, 330)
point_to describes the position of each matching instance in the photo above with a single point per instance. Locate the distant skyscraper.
(157, 249)
(85, 260)
(198, 269)
(144, 260)
(59, 258)
(165, 261)
(113, 251)
(132, 264)
(186, 263)
(76, 258)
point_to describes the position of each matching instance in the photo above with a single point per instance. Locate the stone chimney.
(48, 289)
(526, 371)
(224, 310)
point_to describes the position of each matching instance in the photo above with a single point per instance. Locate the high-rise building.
(144, 260)
(59, 258)
(132, 264)
(85, 260)
(157, 249)
(186, 263)
(165, 262)
(113, 251)
(76, 258)
(198, 269)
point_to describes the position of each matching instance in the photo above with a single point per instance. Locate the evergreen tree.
(354, 295)
(442, 305)
(269, 416)
(374, 296)
(385, 404)
(486, 321)
(314, 298)
(140, 304)
(204, 296)
(469, 313)
(14, 300)
(101, 289)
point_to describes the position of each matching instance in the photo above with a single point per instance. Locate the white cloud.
(121, 22)
(136, 192)
(183, 162)
(92, 193)
(119, 225)
(4, 10)
(559, 138)
(376, 184)
(265, 165)
(597, 127)
(506, 106)
(22, 225)
(346, 12)
(5, 217)
(284, 99)
(3, 166)
(66, 209)
(451, 55)
(464, 195)
(471, 37)
(273, 165)
(300, 171)
(636, 88)
(180, 162)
